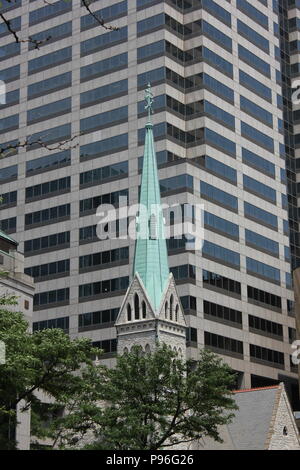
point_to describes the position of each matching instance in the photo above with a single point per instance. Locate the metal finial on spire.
(149, 101)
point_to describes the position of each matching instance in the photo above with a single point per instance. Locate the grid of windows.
(57, 268)
(223, 344)
(221, 282)
(48, 189)
(186, 271)
(62, 323)
(267, 356)
(266, 327)
(56, 241)
(96, 260)
(94, 289)
(51, 297)
(92, 203)
(222, 314)
(52, 215)
(103, 318)
(266, 299)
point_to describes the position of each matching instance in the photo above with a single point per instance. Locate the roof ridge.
(270, 387)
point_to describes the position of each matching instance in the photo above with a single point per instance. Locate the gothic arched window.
(136, 307)
(171, 307)
(176, 312)
(166, 310)
(144, 311)
(128, 312)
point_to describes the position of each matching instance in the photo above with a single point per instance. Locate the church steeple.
(151, 311)
(151, 256)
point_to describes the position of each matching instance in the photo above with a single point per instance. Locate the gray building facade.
(221, 140)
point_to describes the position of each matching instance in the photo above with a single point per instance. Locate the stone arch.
(171, 306)
(144, 309)
(147, 349)
(136, 307)
(125, 351)
(129, 317)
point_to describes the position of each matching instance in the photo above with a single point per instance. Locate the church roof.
(151, 256)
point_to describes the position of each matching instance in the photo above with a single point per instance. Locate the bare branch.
(36, 43)
(99, 19)
(4, 151)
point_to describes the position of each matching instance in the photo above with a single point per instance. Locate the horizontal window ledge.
(89, 240)
(103, 100)
(223, 321)
(176, 191)
(54, 305)
(49, 66)
(9, 129)
(103, 47)
(84, 158)
(103, 73)
(265, 333)
(266, 363)
(103, 126)
(104, 295)
(44, 170)
(47, 196)
(107, 20)
(185, 281)
(108, 180)
(50, 116)
(9, 56)
(263, 250)
(220, 261)
(220, 232)
(260, 170)
(47, 222)
(255, 193)
(7, 105)
(264, 305)
(47, 92)
(222, 291)
(264, 278)
(37, 145)
(225, 352)
(46, 250)
(224, 206)
(191, 344)
(7, 206)
(8, 180)
(99, 326)
(260, 222)
(104, 266)
(190, 311)
(51, 40)
(51, 276)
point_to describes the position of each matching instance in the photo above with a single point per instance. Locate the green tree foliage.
(44, 361)
(150, 401)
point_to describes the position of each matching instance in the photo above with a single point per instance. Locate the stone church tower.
(151, 310)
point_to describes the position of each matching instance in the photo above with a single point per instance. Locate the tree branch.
(28, 143)
(99, 19)
(36, 43)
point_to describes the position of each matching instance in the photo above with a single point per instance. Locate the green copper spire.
(151, 256)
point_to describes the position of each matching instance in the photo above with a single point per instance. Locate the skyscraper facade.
(221, 74)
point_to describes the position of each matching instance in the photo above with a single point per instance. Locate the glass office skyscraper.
(221, 74)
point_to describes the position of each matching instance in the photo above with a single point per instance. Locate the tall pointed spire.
(151, 256)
